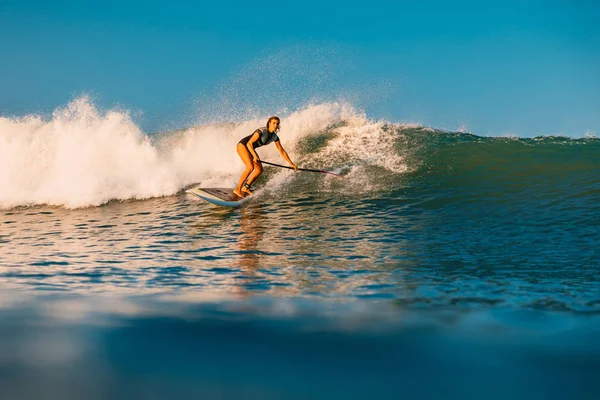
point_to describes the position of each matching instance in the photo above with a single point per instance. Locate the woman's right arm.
(250, 145)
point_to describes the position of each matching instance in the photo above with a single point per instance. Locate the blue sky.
(496, 67)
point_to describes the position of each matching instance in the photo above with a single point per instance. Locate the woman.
(246, 148)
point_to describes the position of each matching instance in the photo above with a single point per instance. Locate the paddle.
(303, 169)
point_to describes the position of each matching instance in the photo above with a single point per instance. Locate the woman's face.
(273, 125)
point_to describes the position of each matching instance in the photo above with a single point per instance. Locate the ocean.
(442, 265)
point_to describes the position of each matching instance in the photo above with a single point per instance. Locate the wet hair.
(278, 122)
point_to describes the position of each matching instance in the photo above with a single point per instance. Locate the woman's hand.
(294, 166)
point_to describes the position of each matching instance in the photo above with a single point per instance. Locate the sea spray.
(83, 156)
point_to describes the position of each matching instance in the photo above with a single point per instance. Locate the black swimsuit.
(265, 138)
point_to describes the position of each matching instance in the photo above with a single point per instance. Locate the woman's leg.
(258, 169)
(246, 157)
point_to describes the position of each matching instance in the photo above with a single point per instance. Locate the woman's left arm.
(284, 154)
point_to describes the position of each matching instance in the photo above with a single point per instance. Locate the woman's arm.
(284, 154)
(250, 145)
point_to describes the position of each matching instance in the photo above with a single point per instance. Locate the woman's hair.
(278, 123)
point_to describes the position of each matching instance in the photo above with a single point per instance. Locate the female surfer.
(246, 148)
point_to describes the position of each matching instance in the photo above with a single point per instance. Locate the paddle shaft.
(301, 169)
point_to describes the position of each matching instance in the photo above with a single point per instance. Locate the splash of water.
(82, 156)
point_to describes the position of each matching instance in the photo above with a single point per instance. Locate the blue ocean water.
(443, 265)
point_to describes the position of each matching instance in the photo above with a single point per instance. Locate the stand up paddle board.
(219, 196)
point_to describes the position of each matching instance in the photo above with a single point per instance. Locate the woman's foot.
(246, 189)
(238, 194)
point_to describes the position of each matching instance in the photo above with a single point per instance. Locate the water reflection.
(251, 222)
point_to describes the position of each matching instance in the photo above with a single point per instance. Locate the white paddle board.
(219, 196)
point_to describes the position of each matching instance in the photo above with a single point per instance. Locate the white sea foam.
(590, 135)
(77, 158)
(364, 142)
(82, 156)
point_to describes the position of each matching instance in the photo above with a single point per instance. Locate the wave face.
(549, 171)
(83, 157)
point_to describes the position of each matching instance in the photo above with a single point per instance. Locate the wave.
(82, 157)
